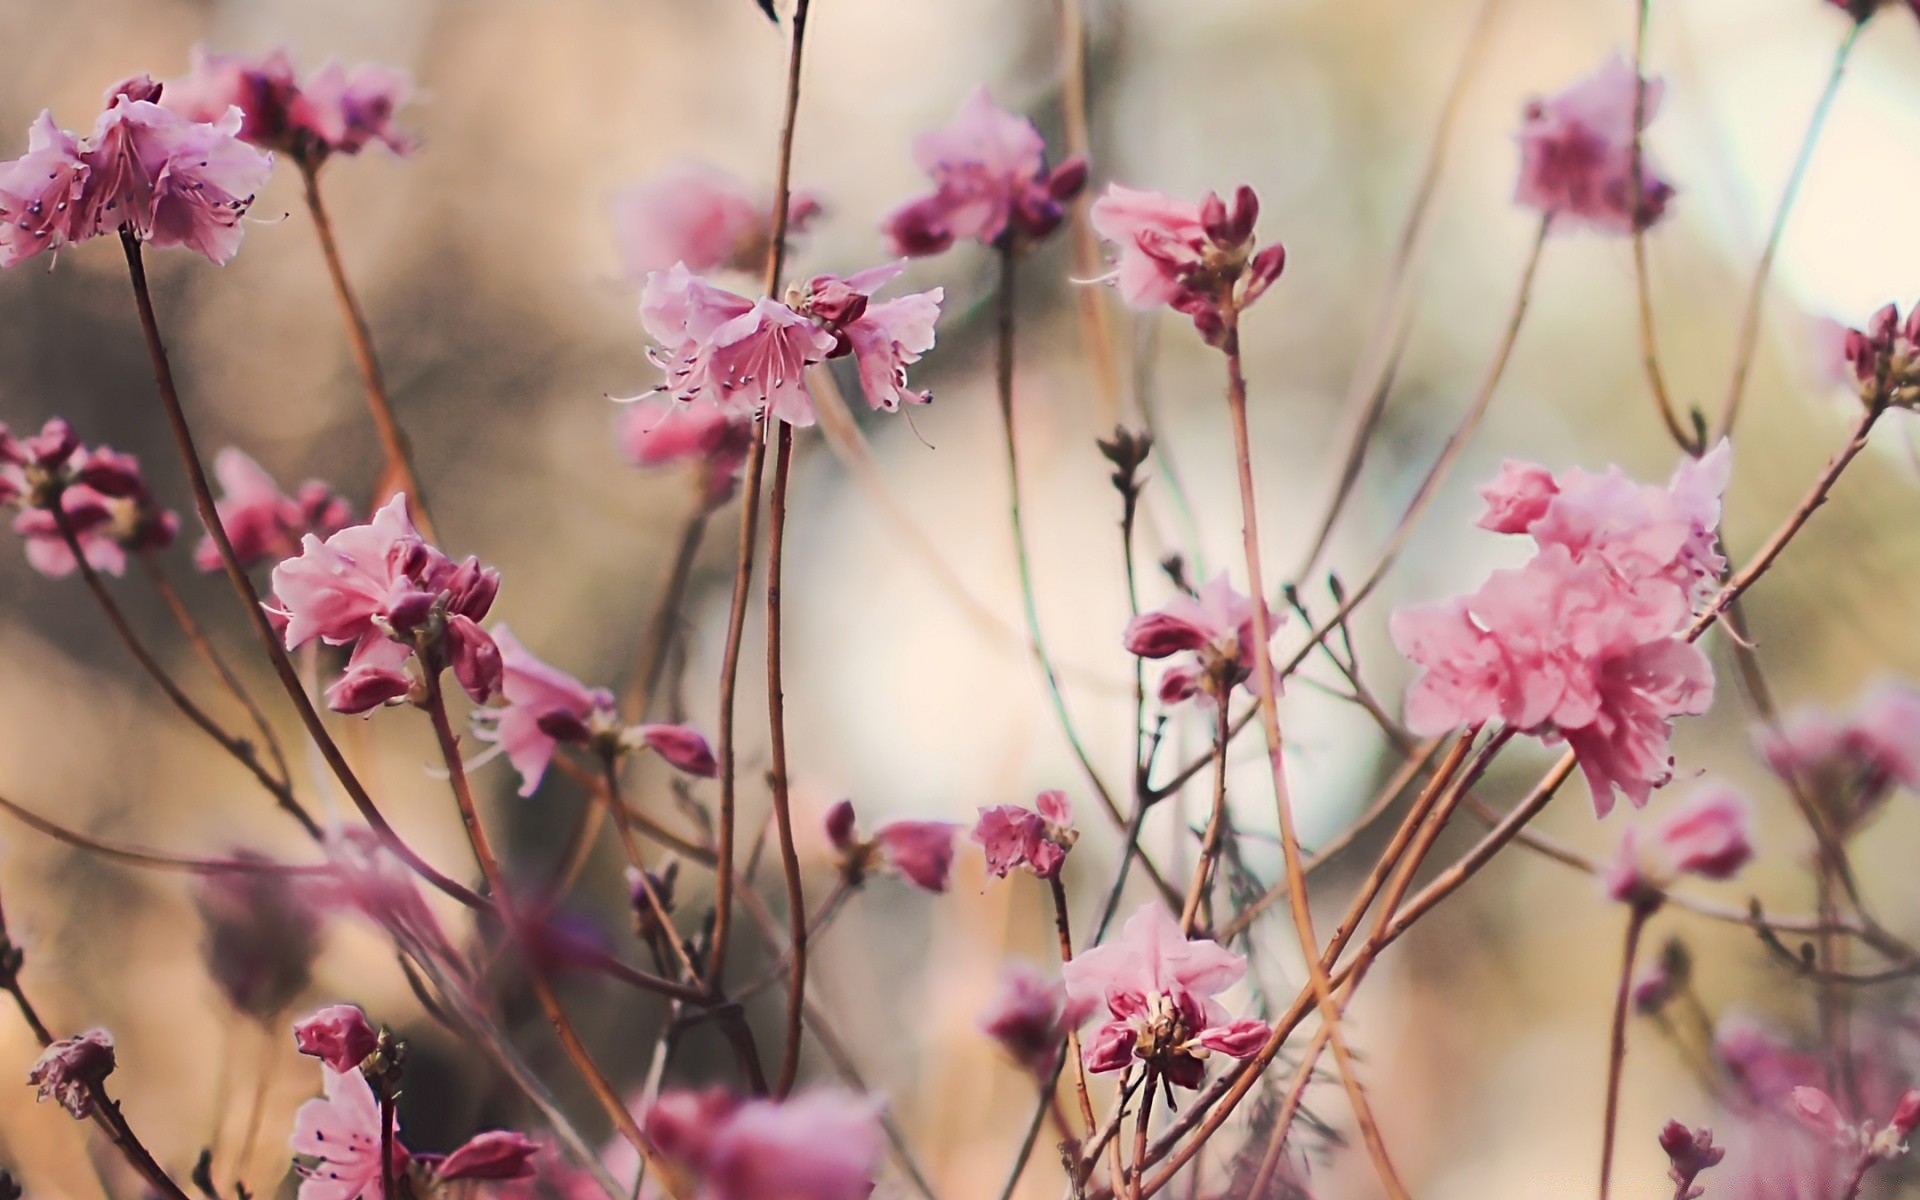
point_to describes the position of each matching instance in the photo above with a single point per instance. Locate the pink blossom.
(71, 1069)
(340, 1134)
(101, 493)
(1817, 1111)
(699, 216)
(337, 1035)
(817, 1145)
(1187, 257)
(990, 176)
(542, 707)
(1689, 1152)
(919, 851)
(1215, 626)
(261, 935)
(1576, 151)
(682, 746)
(496, 1154)
(346, 110)
(656, 431)
(1856, 760)
(746, 357)
(1518, 498)
(43, 194)
(1030, 1017)
(1767, 1069)
(1013, 836)
(1158, 988)
(263, 522)
(367, 878)
(885, 337)
(171, 181)
(1708, 836)
(334, 111)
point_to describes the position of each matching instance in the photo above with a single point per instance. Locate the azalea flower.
(656, 431)
(262, 933)
(1192, 258)
(1850, 763)
(1013, 836)
(335, 111)
(338, 1035)
(71, 1069)
(100, 492)
(1709, 836)
(1158, 989)
(1576, 153)
(1215, 626)
(262, 522)
(1030, 1016)
(919, 851)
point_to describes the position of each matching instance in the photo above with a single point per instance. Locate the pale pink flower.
(543, 706)
(1185, 256)
(1708, 836)
(346, 110)
(263, 522)
(1158, 988)
(1013, 836)
(70, 1069)
(338, 1138)
(367, 878)
(101, 493)
(885, 337)
(43, 195)
(1857, 760)
(700, 216)
(1518, 498)
(1215, 626)
(1766, 1068)
(817, 1145)
(919, 851)
(338, 1035)
(261, 86)
(745, 357)
(990, 177)
(656, 431)
(1576, 151)
(1818, 1112)
(495, 1154)
(1030, 1016)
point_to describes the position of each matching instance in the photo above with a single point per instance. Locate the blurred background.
(491, 273)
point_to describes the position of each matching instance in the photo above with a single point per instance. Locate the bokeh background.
(493, 281)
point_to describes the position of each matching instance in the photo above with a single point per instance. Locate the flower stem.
(1643, 286)
(782, 800)
(1063, 931)
(1216, 824)
(1617, 1047)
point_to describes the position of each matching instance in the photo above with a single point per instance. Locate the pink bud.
(360, 689)
(497, 1154)
(1818, 1112)
(409, 609)
(1055, 807)
(1689, 1152)
(111, 473)
(1906, 1114)
(337, 1035)
(471, 590)
(563, 726)
(832, 301)
(1157, 635)
(840, 822)
(1708, 836)
(52, 446)
(1069, 179)
(682, 746)
(921, 851)
(138, 88)
(1882, 323)
(1215, 219)
(1263, 271)
(1518, 497)
(1237, 1039)
(474, 657)
(70, 1069)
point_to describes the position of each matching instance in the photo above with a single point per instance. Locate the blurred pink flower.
(817, 1145)
(1216, 626)
(1709, 836)
(989, 171)
(699, 216)
(101, 493)
(261, 935)
(543, 706)
(1689, 1152)
(919, 851)
(70, 1069)
(1184, 256)
(496, 1154)
(334, 111)
(656, 431)
(340, 1134)
(347, 110)
(1013, 836)
(263, 522)
(1854, 761)
(1030, 1016)
(1576, 152)
(1158, 988)
(337, 1035)
(681, 746)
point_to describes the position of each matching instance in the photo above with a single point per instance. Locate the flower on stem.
(397, 600)
(338, 1035)
(1576, 153)
(1158, 988)
(338, 1139)
(71, 1069)
(656, 431)
(700, 216)
(1013, 836)
(335, 111)
(1689, 1152)
(885, 337)
(100, 492)
(991, 184)
(1198, 259)
(261, 935)
(1215, 626)
(1872, 1140)
(1030, 1016)
(921, 852)
(1850, 764)
(818, 1145)
(263, 523)
(1656, 983)
(1708, 836)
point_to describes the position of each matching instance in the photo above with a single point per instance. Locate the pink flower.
(1519, 497)
(1708, 836)
(699, 216)
(1187, 257)
(990, 176)
(168, 180)
(1817, 1111)
(1562, 650)
(496, 1154)
(72, 1068)
(1030, 1017)
(543, 707)
(919, 851)
(746, 357)
(1766, 1069)
(262, 933)
(656, 431)
(682, 746)
(885, 337)
(43, 195)
(340, 1134)
(335, 111)
(365, 877)
(1215, 626)
(1158, 988)
(1013, 836)
(100, 491)
(818, 1145)
(345, 110)
(1576, 152)
(261, 521)
(383, 588)
(337, 1035)
(1856, 760)
(1689, 1152)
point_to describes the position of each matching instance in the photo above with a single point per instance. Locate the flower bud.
(337, 1035)
(70, 1069)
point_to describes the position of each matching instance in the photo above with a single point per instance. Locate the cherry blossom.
(1215, 626)
(919, 851)
(70, 1069)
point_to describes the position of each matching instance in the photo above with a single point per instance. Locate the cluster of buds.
(1198, 259)
(1689, 1152)
(70, 495)
(1037, 838)
(650, 898)
(1871, 1140)
(1885, 358)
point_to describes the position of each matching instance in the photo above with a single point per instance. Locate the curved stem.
(777, 727)
(398, 474)
(1755, 306)
(1617, 1047)
(1643, 284)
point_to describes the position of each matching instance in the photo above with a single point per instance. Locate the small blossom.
(1215, 626)
(1192, 258)
(991, 181)
(336, 111)
(365, 877)
(542, 707)
(1158, 989)
(1030, 1017)
(262, 933)
(263, 523)
(885, 337)
(338, 1137)
(100, 492)
(1689, 1152)
(745, 357)
(1767, 1069)
(701, 216)
(497, 1154)
(349, 109)
(1851, 763)
(818, 1145)
(655, 431)
(1708, 836)
(919, 851)
(1576, 152)
(1518, 498)
(1013, 836)
(1817, 1111)
(337, 1035)
(71, 1069)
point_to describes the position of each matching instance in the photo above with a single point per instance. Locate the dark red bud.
(1069, 179)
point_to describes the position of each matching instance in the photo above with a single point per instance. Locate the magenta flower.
(43, 194)
(496, 1154)
(336, 111)
(1884, 358)
(1158, 988)
(1576, 151)
(921, 852)
(1689, 1153)
(885, 337)
(261, 521)
(543, 707)
(818, 1145)
(1013, 836)
(1192, 258)
(1856, 761)
(1215, 626)
(990, 178)
(101, 493)
(701, 217)
(1708, 836)
(381, 587)
(1030, 1016)
(337, 1035)
(338, 1139)
(655, 431)
(348, 109)
(70, 1070)
(682, 746)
